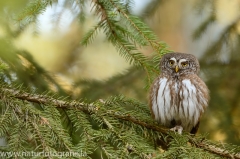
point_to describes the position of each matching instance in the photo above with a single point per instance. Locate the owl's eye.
(171, 62)
(184, 64)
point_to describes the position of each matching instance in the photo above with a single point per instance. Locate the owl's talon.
(178, 128)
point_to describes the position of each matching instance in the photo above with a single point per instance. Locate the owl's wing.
(157, 87)
(203, 96)
(203, 92)
(161, 100)
(153, 90)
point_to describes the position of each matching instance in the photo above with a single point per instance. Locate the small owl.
(178, 97)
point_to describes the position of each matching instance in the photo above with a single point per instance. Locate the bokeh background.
(209, 29)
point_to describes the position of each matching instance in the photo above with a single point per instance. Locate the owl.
(178, 97)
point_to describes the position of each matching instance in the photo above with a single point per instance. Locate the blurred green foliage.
(13, 6)
(221, 66)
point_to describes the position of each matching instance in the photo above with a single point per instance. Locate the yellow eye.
(184, 64)
(171, 62)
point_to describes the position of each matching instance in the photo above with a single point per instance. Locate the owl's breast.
(177, 100)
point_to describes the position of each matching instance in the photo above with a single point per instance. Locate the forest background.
(48, 48)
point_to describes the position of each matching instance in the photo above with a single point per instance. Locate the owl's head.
(179, 63)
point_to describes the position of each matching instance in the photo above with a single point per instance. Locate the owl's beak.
(176, 68)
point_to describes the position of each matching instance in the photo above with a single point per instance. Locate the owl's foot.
(177, 128)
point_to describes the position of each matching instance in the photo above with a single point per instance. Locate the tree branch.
(93, 109)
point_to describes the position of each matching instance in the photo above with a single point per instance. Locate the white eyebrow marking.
(173, 58)
(182, 60)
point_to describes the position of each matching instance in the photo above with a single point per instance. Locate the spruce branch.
(88, 38)
(139, 26)
(32, 10)
(214, 149)
(30, 13)
(92, 109)
(126, 42)
(37, 132)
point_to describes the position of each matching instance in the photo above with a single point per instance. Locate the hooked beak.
(176, 68)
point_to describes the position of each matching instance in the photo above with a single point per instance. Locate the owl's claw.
(178, 128)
